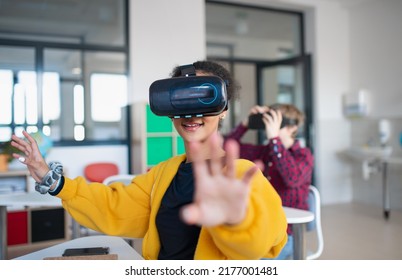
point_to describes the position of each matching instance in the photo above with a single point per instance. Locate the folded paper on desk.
(89, 257)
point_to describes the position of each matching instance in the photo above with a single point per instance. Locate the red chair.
(99, 171)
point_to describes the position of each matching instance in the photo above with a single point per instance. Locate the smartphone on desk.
(86, 251)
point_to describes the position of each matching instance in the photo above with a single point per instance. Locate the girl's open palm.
(219, 197)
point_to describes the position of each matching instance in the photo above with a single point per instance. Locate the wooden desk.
(116, 244)
(24, 199)
(298, 219)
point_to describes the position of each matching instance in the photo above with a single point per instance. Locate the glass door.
(288, 81)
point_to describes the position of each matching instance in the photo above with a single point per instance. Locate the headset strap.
(187, 70)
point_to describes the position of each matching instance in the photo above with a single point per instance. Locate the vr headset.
(255, 122)
(188, 95)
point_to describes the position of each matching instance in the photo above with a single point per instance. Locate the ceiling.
(249, 22)
(63, 20)
(91, 20)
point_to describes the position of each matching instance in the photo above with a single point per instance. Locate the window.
(252, 33)
(63, 70)
(79, 129)
(6, 90)
(6, 87)
(108, 96)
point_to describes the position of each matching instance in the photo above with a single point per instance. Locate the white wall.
(331, 74)
(376, 54)
(163, 34)
(376, 64)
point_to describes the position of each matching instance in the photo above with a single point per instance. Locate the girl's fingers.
(249, 174)
(216, 161)
(259, 164)
(190, 214)
(28, 137)
(31, 141)
(17, 144)
(232, 153)
(22, 145)
(19, 157)
(27, 147)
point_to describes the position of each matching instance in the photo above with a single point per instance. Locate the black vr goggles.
(255, 121)
(188, 96)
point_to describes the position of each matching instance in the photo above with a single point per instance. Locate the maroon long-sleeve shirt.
(288, 170)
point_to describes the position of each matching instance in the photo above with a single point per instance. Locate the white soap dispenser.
(384, 131)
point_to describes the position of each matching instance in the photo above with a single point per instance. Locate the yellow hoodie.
(130, 211)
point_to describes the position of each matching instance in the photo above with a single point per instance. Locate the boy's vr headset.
(255, 121)
(188, 96)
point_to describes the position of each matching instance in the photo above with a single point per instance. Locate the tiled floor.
(351, 231)
(359, 231)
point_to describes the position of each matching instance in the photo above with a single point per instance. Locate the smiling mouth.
(192, 125)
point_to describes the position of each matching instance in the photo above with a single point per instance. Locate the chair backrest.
(123, 178)
(314, 201)
(98, 171)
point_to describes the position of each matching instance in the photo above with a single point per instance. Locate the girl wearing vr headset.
(205, 204)
(287, 165)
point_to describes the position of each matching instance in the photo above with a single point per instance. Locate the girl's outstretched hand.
(219, 197)
(31, 156)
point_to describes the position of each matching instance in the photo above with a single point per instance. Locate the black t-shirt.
(178, 240)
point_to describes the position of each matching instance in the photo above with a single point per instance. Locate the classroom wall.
(376, 65)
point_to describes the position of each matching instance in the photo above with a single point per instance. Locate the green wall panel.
(158, 149)
(156, 123)
(180, 146)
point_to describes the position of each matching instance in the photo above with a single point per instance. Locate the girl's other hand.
(30, 156)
